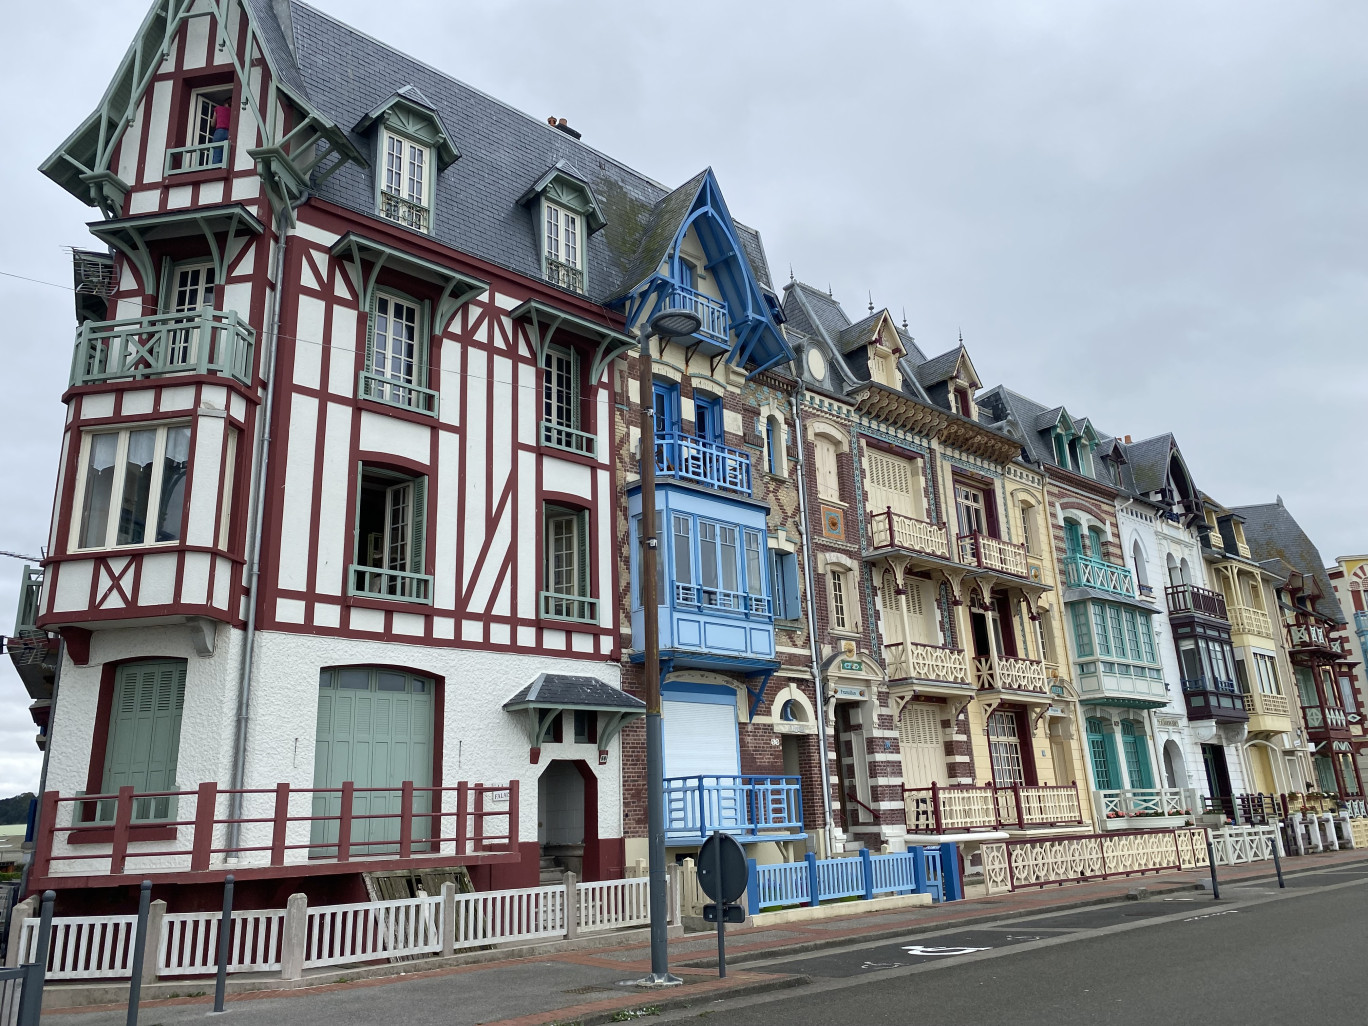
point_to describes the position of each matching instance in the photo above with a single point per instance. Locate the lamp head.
(675, 323)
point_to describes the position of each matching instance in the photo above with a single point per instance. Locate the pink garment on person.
(221, 116)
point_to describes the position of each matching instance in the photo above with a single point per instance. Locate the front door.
(849, 740)
(375, 730)
(1218, 777)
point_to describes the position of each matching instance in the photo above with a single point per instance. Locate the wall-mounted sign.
(853, 665)
(1057, 689)
(833, 522)
(846, 691)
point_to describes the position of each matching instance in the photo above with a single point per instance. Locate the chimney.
(1128, 441)
(563, 125)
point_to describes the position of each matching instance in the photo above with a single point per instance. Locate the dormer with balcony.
(410, 147)
(565, 213)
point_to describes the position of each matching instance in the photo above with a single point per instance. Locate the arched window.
(1175, 574)
(1073, 538)
(1028, 534)
(1138, 556)
(1186, 571)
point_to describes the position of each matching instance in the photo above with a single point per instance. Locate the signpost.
(722, 875)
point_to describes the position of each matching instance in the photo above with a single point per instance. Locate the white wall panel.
(202, 523)
(308, 342)
(380, 433)
(563, 476)
(157, 585)
(476, 453)
(297, 504)
(528, 516)
(342, 358)
(73, 586)
(449, 485)
(335, 546)
(157, 129)
(195, 582)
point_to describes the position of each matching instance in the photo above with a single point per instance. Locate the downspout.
(818, 686)
(43, 774)
(258, 514)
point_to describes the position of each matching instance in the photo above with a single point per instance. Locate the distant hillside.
(15, 810)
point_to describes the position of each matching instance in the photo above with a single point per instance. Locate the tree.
(16, 809)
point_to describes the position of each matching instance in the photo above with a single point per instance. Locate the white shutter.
(892, 619)
(922, 743)
(700, 739)
(890, 484)
(828, 476)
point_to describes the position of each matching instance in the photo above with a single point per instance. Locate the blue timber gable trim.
(753, 319)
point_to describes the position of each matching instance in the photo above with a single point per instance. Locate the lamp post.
(665, 325)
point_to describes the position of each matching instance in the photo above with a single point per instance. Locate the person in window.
(222, 114)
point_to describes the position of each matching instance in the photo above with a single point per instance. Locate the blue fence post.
(867, 865)
(752, 887)
(919, 869)
(814, 886)
(950, 874)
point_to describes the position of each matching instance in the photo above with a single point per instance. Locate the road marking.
(1209, 915)
(923, 949)
(882, 965)
(1180, 899)
(1023, 937)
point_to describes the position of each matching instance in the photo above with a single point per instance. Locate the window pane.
(683, 550)
(354, 679)
(553, 249)
(1082, 634)
(171, 502)
(395, 351)
(707, 554)
(559, 403)
(838, 600)
(398, 513)
(571, 249)
(137, 483)
(1118, 632)
(730, 559)
(1100, 627)
(394, 165)
(387, 680)
(564, 567)
(415, 174)
(99, 487)
(754, 574)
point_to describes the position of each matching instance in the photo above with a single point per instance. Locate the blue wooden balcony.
(750, 808)
(1082, 571)
(686, 458)
(714, 327)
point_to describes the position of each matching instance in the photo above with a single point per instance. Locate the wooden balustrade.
(891, 530)
(947, 808)
(926, 662)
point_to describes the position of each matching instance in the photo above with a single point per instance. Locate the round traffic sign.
(733, 882)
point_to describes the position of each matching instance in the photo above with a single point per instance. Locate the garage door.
(700, 732)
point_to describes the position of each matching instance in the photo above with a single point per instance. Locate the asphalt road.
(1255, 956)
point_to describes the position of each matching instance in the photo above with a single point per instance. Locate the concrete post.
(294, 936)
(571, 906)
(1348, 830)
(448, 918)
(26, 909)
(156, 914)
(676, 902)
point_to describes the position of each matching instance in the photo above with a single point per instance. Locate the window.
(1137, 755)
(391, 537)
(561, 402)
(191, 290)
(894, 484)
(1061, 448)
(828, 474)
(563, 248)
(132, 487)
(784, 587)
(226, 493)
(1104, 646)
(396, 355)
(659, 556)
(1027, 527)
(841, 614)
(208, 122)
(567, 570)
(708, 419)
(969, 506)
(1073, 538)
(1266, 673)
(719, 565)
(1325, 774)
(143, 743)
(1078, 614)
(1138, 558)
(1099, 747)
(1005, 748)
(1306, 687)
(773, 461)
(586, 727)
(683, 549)
(1096, 543)
(404, 191)
(687, 274)
(1346, 690)
(1118, 633)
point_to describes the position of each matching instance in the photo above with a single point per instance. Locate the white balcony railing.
(698, 597)
(1003, 673)
(994, 554)
(1246, 620)
(569, 607)
(927, 662)
(375, 582)
(398, 393)
(204, 157)
(1145, 803)
(891, 530)
(558, 436)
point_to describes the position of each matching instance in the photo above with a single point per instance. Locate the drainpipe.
(258, 514)
(43, 774)
(813, 647)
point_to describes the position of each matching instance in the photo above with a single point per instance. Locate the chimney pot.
(1128, 441)
(563, 121)
(551, 121)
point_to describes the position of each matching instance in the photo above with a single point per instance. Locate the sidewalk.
(583, 986)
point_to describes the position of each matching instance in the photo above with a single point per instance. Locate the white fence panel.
(498, 917)
(84, 947)
(341, 934)
(190, 940)
(1237, 845)
(612, 904)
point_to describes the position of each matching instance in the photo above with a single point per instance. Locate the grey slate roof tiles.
(566, 690)
(1274, 534)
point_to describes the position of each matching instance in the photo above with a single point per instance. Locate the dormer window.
(404, 192)
(563, 248)
(208, 122)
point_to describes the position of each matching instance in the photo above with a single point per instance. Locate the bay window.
(131, 486)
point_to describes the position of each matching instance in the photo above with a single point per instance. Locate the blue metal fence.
(918, 870)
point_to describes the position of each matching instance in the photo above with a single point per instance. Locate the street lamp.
(665, 325)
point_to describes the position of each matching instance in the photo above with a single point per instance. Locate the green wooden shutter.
(1073, 538)
(575, 371)
(582, 553)
(419, 525)
(370, 333)
(144, 730)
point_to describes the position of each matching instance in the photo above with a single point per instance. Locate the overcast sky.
(1152, 213)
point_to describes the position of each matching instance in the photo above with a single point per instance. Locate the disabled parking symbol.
(924, 949)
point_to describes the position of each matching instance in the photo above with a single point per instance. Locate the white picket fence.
(503, 917)
(1237, 845)
(346, 934)
(84, 947)
(613, 904)
(190, 941)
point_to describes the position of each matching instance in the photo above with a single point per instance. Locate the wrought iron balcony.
(1211, 699)
(1082, 571)
(203, 342)
(994, 554)
(715, 324)
(376, 582)
(567, 276)
(405, 212)
(927, 662)
(1188, 598)
(941, 808)
(891, 530)
(1004, 673)
(687, 458)
(745, 806)
(1247, 620)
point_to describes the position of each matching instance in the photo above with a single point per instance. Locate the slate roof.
(1274, 534)
(939, 368)
(1148, 462)
(817, 313)
(568, 691)
(857, 335)
(345, 73)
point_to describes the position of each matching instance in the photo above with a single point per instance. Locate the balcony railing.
(1188, 598)
(570, 439)
(1208, 698)
(203, 157)
(1247, 620)
(1309, 635)
(739, 805)
(1323, 717)
(375, 582)
(694, 459)
(203, 342)
(994, 554)
(568, 607)
(1004, 673)
(405, 212)
(1085, 572)
(715, 325)
(891, 530)
(567, 276)
(943, 809)
(30, 594)
(398, 393)
(695, 596)
(927, 662)
(284, 830)
(1262, 704)
(1145, 803)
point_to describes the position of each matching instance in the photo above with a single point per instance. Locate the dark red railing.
(1188, 598)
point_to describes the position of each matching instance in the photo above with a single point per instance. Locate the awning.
(546, 320)
(131, 235)
(457, 288)
(551, 694)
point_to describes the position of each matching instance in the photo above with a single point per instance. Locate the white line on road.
(922, 949)
(1210, 915)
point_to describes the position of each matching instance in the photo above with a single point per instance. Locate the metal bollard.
(225, 944)
(31, 997)
(1277, 862)
(1211, 862)
(139, 950)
